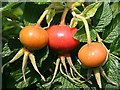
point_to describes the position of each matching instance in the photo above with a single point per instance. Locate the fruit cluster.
(60, 39)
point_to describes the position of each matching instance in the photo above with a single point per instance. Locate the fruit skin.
(33, 37)
(92, 55)
(61, 39)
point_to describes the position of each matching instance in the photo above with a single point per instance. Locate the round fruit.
(92, 55)
(33, 37)
(61, 38)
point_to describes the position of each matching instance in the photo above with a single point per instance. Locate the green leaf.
(112, 30)
(62, 82)
(41, 1)
(103, 17)
(33, 11)
(9, 14)
(81, 35)
(16, 78)
(31, 78)
(115, 46)
(65, 83)
(115, 7)
(90, 10)
(6, 50)
(112, 71)
(50, 15)
(17, 11)
(9, 6)
(6, 25)
(41, 55)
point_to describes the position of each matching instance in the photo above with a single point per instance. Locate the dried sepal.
(55, 72)
(97, 76)
(56, 69)
(67, 75)
(71, 72)
(24, 64)
(32, 59)
(18, 55)
(72, 66)
(64, 64)
(106, 77)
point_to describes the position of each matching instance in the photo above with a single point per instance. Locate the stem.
(67, 8)
(99, 39)
(42, 17)
(86, 26)
(64, 15)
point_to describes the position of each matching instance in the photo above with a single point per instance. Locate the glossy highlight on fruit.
(61, 38)
(33, 37)
(92, 55)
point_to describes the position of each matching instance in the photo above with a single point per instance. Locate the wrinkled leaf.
(112, 71)
(17, 75)
(81, 35)
(115, 46)
(31, 77)
(6, 50)
(90, 10)
(115, 7)
(112, 31)
(65, 83)
(103, 17)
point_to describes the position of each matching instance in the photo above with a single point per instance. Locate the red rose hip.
(61, 38)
